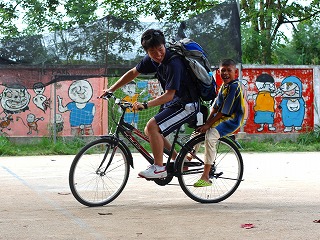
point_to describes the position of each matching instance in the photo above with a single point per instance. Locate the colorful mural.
(131, 95)
(81, 110)
(28, 109)
(278, 99)
(40, 100)
(18, 115)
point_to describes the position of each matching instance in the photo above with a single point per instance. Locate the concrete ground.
(280, 196)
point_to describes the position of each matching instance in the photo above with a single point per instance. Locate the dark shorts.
(171, 118)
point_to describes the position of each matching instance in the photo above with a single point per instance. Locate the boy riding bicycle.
(177, 106)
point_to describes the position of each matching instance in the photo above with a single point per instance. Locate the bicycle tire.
(89, 183)
(226, 174)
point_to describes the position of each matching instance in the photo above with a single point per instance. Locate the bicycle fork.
(109, 147)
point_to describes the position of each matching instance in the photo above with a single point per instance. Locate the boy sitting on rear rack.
(226, 116)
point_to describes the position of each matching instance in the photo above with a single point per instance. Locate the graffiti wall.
(31, 110)
(279, 100)
(79, 111)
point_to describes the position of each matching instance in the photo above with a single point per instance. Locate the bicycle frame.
(129, 132)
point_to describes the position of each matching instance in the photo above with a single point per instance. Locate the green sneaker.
(202, 183)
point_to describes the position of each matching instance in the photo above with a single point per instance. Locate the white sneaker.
(154, 171)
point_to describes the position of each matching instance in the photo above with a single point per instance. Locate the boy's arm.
(126, 78)
(212, 113)
(162, 99)
(213, 117)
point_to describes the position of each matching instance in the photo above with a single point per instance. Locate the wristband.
(145, 105)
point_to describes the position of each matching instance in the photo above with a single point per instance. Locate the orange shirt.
(264, 102)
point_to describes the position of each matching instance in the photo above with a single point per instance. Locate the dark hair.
(264, 77)
(38, 85)
(152, 38)
(227, 62)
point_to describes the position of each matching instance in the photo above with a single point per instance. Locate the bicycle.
(100, 171)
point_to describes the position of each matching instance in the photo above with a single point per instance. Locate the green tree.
(261, 19)
(30, 48)
(40, 15)
(306, 42)
(166, 10)
(261, 22)
(44, 15)
(284, 53)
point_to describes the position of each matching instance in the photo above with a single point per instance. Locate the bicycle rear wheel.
(99, 172)
(226, 172)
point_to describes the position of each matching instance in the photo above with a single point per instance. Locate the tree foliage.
(89, 44)
(306, 42)
(39, 15)
(44, 15)
(304, 48)
(262, 20)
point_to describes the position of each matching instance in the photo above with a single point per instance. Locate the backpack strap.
(191, 93)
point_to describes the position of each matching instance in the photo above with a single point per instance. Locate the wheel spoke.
(226, 173)
(94, 178)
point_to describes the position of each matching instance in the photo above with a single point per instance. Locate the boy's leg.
(156, 141)
(165, 122)
(211, 138)
(171, 119)
(204, 181)
(157, 170)
(206, 171)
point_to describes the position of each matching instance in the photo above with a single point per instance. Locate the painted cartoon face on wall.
(31, 118)
(38, 88)
(154, 88)
(80, 91)
(15, 99)
(291, 87)
(39, 101)
(265, 83)
(129, 89)
(292, 105)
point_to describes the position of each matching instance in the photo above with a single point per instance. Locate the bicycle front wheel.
(99, 172)
(226, 172)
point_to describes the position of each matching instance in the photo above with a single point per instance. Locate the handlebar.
(118, 101)
(108, 95)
